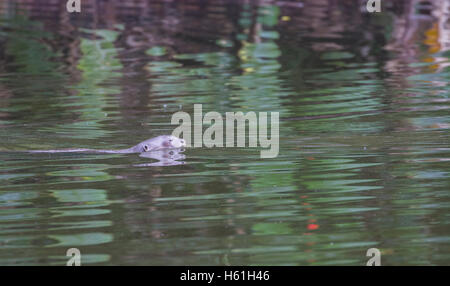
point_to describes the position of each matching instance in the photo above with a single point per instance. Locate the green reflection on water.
(363, 157)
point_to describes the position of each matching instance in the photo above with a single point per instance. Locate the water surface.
(364, 134)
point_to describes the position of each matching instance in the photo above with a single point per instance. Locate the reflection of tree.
(324, 65)
(421, 24)
(98, 64)
(30, 65)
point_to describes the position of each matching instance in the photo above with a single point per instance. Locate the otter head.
(160, 142)
(174, 142)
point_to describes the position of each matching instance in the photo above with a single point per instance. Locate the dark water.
(364, 133)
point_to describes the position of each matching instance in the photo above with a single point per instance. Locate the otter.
(152, 144)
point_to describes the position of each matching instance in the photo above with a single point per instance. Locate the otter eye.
(146, 148)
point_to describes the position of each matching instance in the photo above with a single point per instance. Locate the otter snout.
(177, 142)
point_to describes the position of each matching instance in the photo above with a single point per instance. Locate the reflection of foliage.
(82, 239)
(206, 84)
(85, 173)
(271, 229)
(351, 91)
(99, 63)
(259, 86)
(26, 45)
(215, 82)
(31, 68)
(156, 51)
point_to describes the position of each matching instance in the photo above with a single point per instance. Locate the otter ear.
(146, 148)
